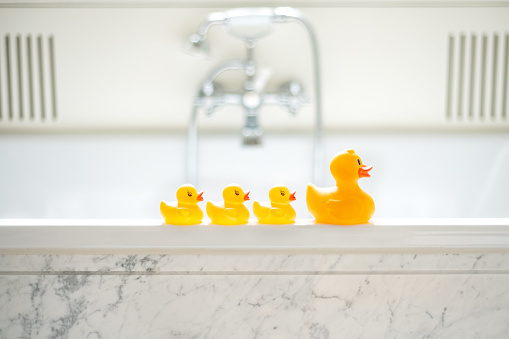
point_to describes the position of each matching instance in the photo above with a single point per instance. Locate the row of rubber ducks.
(231, 211)
(343, 204)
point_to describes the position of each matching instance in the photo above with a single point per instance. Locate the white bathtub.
(415, 175)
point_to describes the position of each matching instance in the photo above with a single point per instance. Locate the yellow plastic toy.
(278, 210)
(345, 204)
(232, 211)
(185, 211)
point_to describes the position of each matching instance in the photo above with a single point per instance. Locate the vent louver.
(27, 79)
(477, 77)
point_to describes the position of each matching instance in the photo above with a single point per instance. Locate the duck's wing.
(277, 212)
(343, 208)
(183, 212)
(232, 213)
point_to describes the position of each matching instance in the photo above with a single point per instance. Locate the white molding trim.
(237, 3)
(22, 236)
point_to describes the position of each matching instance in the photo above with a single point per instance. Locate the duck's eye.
(236, 192)
(189, 194)
(282, 193)
(359, 161)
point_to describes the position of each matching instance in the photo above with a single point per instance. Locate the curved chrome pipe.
(279, 15)
(283, 14)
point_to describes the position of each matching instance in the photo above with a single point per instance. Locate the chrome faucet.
(249, 25)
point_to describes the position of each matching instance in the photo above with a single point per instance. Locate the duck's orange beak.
(292, 196)
(246, 196)
(199, 197)
(364, 171)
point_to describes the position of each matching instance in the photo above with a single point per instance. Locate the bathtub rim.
(126, 236)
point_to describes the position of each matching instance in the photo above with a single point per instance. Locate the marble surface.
(254, 306)
(353, 295)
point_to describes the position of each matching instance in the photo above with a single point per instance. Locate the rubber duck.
(232, 211)
(346, 203)
(278, 210)
(185, 211)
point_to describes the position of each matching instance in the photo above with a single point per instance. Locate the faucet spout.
(252, 133)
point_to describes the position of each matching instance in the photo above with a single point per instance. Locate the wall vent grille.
(27, 79)
(477, 77)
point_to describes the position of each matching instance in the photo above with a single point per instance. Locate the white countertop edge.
(87, 236)
(299, 222)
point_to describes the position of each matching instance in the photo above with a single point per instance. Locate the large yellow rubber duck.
(278, 210)
(232, 211)
(346, 203)
(185, 211)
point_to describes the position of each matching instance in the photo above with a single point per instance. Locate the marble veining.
(253, 306)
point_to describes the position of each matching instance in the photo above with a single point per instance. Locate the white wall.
(382, 66)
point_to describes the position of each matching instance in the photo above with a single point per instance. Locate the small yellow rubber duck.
(346, 203)
(232, 211)
(278, 210)
(185, 211)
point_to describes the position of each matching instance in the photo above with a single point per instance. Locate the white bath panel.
(126, 176)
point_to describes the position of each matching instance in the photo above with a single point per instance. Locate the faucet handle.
(291, 96)
(208, 88)
(262, 77)
(297, 97)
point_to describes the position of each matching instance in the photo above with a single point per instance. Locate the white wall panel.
(382, 67)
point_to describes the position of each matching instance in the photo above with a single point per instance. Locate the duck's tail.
(210, 210)
(166, 210)
(259, 211)
(312, 199)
